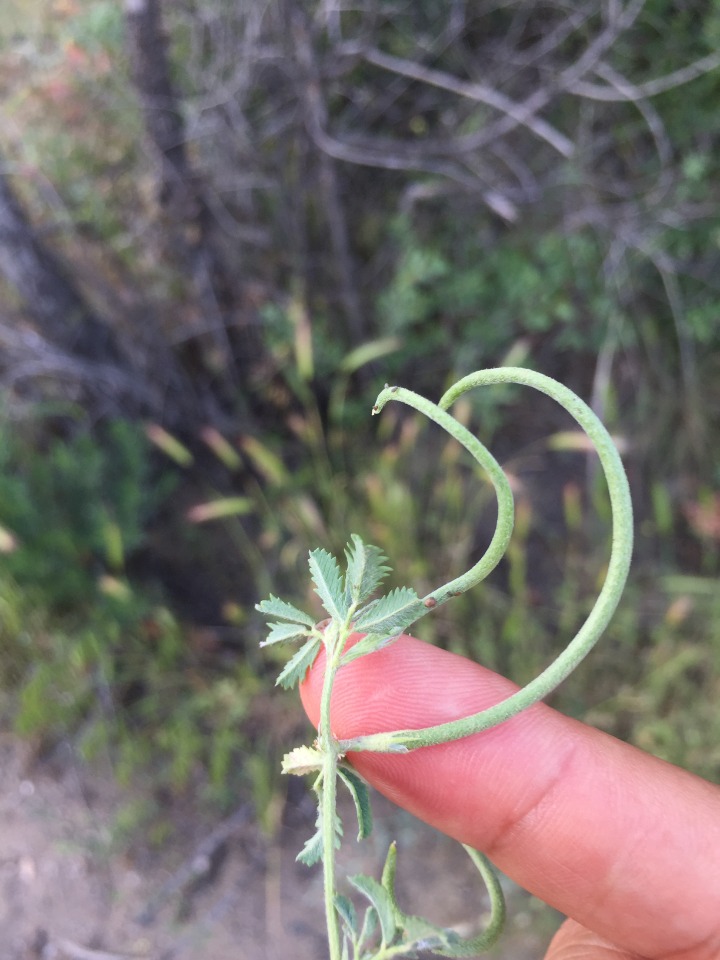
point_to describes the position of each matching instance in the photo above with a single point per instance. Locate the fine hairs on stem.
(383, 930)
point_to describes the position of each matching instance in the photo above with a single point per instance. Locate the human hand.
(624, 844)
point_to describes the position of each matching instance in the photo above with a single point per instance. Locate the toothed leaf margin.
(297, 666)
(284, 633)
(328, 582)
(366, 570)
(275, 607)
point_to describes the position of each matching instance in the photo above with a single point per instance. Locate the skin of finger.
(624, 843)
(574, 942)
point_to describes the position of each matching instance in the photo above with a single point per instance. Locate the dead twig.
(197, 868)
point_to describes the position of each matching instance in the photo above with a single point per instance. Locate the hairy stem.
(328, 791)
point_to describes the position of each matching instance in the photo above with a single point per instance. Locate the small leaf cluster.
(343, 596)
(385, 930)
(344, 599)
(293, 625)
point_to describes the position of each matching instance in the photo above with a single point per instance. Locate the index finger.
(622, 842)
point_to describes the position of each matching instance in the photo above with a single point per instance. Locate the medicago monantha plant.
(384, 930)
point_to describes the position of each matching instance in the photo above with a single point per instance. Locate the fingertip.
(411, 685)
(560, 807)
(575, 942)
(310, 688)
(397, 688)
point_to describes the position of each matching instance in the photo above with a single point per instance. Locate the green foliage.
(389, 614)
(78, 509)
(361, 798)
(663, 694)
(88, 655)
(342, 596)
(119, 678)
(99, 27)
(453, 292)
(275, 607)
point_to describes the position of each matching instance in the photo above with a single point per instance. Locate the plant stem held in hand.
(385, 931)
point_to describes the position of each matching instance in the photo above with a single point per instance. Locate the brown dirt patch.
(72, 889)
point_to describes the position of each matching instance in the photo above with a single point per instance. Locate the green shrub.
(78, 509)
(88, 656)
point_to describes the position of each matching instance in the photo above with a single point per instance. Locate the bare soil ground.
(71, 890)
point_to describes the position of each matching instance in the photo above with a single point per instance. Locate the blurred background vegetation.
(223, 226)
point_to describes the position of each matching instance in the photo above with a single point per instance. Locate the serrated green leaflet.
(328, 582)
(369, 644)
(361, 798)
(384, 620)
(297, 666)
(275, 607)
(311, 853)
(366, 570)
(392, 613)
(378, 897)
(284, 633)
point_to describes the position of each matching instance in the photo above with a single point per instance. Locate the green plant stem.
(332, 753)
(617, 571)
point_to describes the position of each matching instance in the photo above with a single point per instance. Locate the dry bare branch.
(479, 92)
(565, 81)
(317, 118)
(650, 88)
